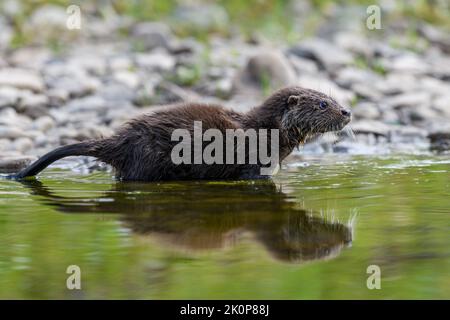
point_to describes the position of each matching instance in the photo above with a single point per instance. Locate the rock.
(115, 93)
(327, 55)
(361, 82)
(11, 8)
(221, 88)
(366, 110)
(439, 67)
(224, 88)
(75, 87)
(185, 46)
(366, 91)
(44, 124)
(33, 105)
(349, 76)
(115, 118)
(145, 94)
(57, 96)
(442, 105)
(322, 84)
(15, 164)
(6, 34)
(405, 63)
(23, 144)
(128, 78)
(434, 86)
(396, 83)
(9, 116)
(89, 103)
(171, 93)
(302, 65)
(412, 106)
(34, 134)
(119, 63)
(9, 96)
(152, 35)
(44, 141)
(67, 78)
(3, 63)
(374, 127)
(22, 79)
(10, 132)
(420, 99)
(155, 61)
(440, 139)
(266, 71)
(407, 135)
(70, 135)
(24, 101)
(31, 100)
(384, 50)
(95, 131)
(355, 43)
(5, 144)
(30, 57)
(436, 37)
(87, 63)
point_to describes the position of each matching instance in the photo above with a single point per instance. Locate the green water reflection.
(310, 233)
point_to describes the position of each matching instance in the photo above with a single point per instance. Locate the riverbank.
(92, 80)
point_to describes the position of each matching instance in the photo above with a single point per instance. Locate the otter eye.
(323, 105)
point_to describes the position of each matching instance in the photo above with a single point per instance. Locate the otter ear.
(293, 101)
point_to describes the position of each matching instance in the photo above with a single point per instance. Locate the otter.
(141, 149)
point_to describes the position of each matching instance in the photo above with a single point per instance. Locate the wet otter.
(142, 149)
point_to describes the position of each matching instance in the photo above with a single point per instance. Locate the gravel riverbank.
(49, 97)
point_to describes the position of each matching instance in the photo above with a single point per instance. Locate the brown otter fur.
(141, 150)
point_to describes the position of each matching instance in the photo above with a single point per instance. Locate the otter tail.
(77, 149)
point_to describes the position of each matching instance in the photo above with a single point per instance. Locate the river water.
(312, 232)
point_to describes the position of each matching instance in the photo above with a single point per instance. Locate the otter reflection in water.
(208, 215)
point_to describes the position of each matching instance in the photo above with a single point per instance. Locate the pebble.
(156, 61)
(23, 144)
(265, 71)
(366, 110)
(327, 55)
(22, 79)
(152, 35)
(11, 132)
(44, 124)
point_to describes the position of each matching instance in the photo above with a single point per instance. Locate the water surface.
(310, 233)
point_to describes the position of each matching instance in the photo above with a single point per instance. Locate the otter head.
(310, 112)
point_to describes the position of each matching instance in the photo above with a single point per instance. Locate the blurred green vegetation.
(274, 18)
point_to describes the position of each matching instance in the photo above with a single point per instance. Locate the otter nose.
(346, 112)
